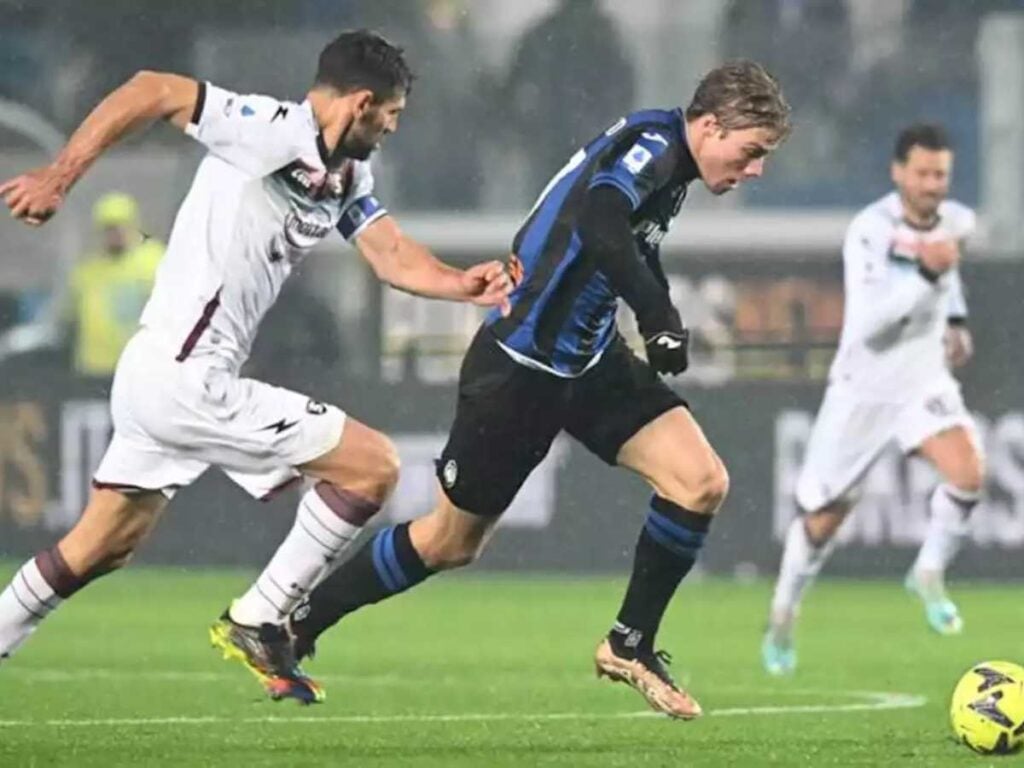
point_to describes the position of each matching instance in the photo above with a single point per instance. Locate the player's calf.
(948, 528)
(395, 560)
(108, 532)
(328, 520)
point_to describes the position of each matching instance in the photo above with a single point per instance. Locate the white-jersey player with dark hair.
(278, 178)
(903, 330)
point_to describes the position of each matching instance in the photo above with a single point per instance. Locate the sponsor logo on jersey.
(304, 229)
(317, 183)
(315, 407)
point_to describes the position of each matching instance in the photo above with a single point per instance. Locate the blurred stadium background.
(506, 90)
(492, 669)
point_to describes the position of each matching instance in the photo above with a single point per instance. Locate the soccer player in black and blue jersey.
(557, 362)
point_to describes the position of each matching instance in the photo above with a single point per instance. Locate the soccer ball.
(987, 710)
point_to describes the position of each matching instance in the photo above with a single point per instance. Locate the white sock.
(801, 562)
(23, 605)
(325, 525)
(947, 528)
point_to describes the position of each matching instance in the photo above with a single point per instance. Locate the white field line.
(870, 701)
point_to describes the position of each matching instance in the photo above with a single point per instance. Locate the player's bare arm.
(407, 265)
(35, 196)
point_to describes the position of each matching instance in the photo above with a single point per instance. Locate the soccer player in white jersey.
(903, 329)
(278, 177)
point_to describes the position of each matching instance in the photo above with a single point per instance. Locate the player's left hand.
(959, 345)
(488, 285)
(35, 196)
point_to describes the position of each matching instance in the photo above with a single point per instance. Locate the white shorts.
(849, 433)
(173, 420)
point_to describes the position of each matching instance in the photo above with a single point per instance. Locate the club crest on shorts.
(315, 407)
(450, 473)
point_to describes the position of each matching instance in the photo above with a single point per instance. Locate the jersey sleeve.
(644, 166)
(363, 208)
(956, 308)
(882, 287)
(256, 134)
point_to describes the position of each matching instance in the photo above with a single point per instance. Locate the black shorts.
(508, 415)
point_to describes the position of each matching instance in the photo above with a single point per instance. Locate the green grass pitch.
(496, 671)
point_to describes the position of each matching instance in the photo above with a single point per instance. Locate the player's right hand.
(668, 350)
(940, 256)
(34, 197)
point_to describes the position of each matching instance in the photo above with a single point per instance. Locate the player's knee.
(444, 546)
(391, 465)
(383, 469)
(452, 553)
(822, 525)
(703, 490)
(118, 549)
(112, 561)
(716, 488)
(970, 478)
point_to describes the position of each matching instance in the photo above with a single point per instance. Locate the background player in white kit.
(278, 177)
(903, 328)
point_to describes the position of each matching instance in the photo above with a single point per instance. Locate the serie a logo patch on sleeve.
(638, 157)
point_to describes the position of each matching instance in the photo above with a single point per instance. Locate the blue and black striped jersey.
(563, 310)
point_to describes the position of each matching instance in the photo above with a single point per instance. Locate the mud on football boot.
(645, 671)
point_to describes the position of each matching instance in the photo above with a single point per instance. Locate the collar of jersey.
(896, 209)
(687, 167)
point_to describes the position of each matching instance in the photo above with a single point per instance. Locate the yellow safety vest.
(107, 297)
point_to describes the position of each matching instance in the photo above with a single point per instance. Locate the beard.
(926, 206)
(357, 147)
(361, 139)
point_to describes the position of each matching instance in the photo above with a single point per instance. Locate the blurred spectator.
(804, 43)
(436, 155)
(98, 310)
(807, 45)
(23, 60)
(108, 288)
(570, 73)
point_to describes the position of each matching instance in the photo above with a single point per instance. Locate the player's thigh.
(940, 428)
(364, 461)
(114, 523)
(203, 412)
(257, 433)
(258, 425)
(848, 436)
(506, 417)
(673, 454)
(623, 412)
(955, 454)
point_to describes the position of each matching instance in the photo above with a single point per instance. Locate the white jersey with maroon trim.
(263, 196)
(891, 347)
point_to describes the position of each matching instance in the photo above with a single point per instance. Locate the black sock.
(384, 566)
(666, 551)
